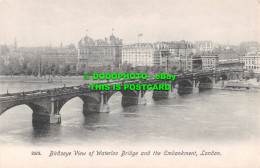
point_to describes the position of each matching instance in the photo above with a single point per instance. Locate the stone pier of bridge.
(134, 100)
(166, 94)
(195, 86)
(100, 106)
(45, 110)
(55, 116)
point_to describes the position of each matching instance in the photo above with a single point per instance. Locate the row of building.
(201, 55)
(183, 55)
(63, 54)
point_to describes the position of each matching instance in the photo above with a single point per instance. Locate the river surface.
(210, 116)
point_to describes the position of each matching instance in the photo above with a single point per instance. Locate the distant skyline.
(41, 22)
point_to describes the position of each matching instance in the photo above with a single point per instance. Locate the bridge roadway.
(47, 103)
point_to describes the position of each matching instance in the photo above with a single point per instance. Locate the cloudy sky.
(41, 22)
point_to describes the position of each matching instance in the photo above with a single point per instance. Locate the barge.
(237, 85)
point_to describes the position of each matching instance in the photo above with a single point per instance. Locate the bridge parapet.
(46, 104)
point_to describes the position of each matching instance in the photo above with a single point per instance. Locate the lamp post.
(39, 67)
(166, 63)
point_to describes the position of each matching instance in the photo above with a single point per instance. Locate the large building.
(165, 54)
(210, 61)
(162, 55)
(181, 49)
(252, 61)
(189, 63)
(193, 63)
(99, 52)
(139, 54)
(183, 56)
(146, 54)
(178, 54)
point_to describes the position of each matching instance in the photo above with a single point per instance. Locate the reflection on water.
(91, 120)
(209, 116)
(41, 130)
(46, 130)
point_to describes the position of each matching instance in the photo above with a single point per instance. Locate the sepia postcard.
(130, 83)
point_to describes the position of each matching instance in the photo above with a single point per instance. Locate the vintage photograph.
(130, 83)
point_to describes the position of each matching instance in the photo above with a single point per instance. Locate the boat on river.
(237, 85)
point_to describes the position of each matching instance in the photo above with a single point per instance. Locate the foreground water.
(210, 116)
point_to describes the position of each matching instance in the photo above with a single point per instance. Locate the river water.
(217, 116)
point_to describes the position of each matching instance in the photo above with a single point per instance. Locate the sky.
(44, 22)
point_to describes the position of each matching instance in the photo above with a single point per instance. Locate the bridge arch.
(7, 106)
(184, 86)
(40, 114)
(87, 100)
(126, 93)
(205, 83)
(112, 93)
(129, 97)
(62, 102)
(206, 79)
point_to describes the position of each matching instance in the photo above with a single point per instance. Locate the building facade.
(181, 49)
(162, 55)
(165, 54)
(95, 53)
(190, 63)
(210, 61)
(139, 54)
(252, 61)
(180, 55)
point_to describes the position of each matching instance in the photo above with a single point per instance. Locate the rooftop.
(87, 41)
(257, 53)
(139, 45)
(206, 54)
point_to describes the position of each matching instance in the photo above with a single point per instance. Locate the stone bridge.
(46, 104)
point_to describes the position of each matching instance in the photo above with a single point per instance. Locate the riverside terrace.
(46, 104)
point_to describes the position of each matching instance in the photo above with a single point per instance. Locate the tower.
(86, 38)
(112, 38)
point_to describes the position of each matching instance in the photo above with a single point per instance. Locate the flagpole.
(138, 36)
